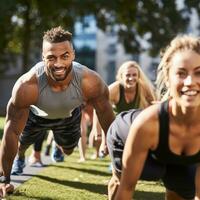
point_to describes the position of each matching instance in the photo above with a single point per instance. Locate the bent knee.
(113, 186)
(23, 147)
(172, 195)
(68, 151)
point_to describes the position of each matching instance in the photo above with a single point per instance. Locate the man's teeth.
(59, 70)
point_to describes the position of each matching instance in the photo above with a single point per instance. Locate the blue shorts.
(66, 131)
(177, 178)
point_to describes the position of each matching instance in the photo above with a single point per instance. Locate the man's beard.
(60, 77)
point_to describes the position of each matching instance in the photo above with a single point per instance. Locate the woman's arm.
(140, 140)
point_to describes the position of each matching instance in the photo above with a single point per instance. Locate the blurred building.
(98, 50)
(110, 54)
(85, 41)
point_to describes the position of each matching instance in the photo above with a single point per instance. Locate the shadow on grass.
(142, 195)
(89, 171)
(97, 164)
(96, 188)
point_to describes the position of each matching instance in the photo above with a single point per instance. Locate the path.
(30, 171)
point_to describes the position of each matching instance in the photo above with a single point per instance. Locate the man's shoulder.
(38, 68)
(93, 85)
(79, 66)
(28, 77)
(26, 80)
(26, 89)
(39, 64)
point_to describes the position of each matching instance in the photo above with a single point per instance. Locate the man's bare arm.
(24, 94)
(104, 112)
(15, 122)
(96, 93)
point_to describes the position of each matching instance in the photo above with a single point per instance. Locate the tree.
(7, 8)
(156, 21)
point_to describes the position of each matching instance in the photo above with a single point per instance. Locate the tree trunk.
(26, 37)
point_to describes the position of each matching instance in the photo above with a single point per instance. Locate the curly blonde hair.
(146, 89)
(179, 43)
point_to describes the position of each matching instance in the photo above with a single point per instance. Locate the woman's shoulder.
(151, 110)
(114, 92)
(146, 125)
(148, 116)
(114, 86)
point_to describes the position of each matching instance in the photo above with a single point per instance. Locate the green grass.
(77, 181)
(2, 121)
(67, 180)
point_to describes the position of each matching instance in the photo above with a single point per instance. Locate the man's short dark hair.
(57, 34)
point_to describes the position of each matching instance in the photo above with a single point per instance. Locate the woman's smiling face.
(130, 77)
(184, 78)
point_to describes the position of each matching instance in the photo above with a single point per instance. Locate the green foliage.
(152, 20)
(23, 22)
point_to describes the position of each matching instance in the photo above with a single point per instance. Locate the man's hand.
(6, 189)
(103, 150)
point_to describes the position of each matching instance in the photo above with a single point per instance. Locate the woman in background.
(131, 90)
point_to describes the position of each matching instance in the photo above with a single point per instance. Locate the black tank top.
(163, 153)
(122, 105)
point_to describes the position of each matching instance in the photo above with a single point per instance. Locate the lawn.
(77, 181)
(2, 120)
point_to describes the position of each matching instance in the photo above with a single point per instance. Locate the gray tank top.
(57, 105)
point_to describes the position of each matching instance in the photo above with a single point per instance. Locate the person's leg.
(170, 195)
(82, 144)
(101, 152)
(115, 149)
(97, 139)
(29, 136)
(91, 139)
(113, 185)
(67, 132)
(35, 157)
(19, 161)
(48, 143)
(57, 154)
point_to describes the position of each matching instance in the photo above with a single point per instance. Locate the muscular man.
(49, 96)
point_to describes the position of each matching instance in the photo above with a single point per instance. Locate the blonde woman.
(132, 89)
(169, 133)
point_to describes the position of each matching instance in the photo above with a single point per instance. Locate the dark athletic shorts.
(66, 131)
(177, 178)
